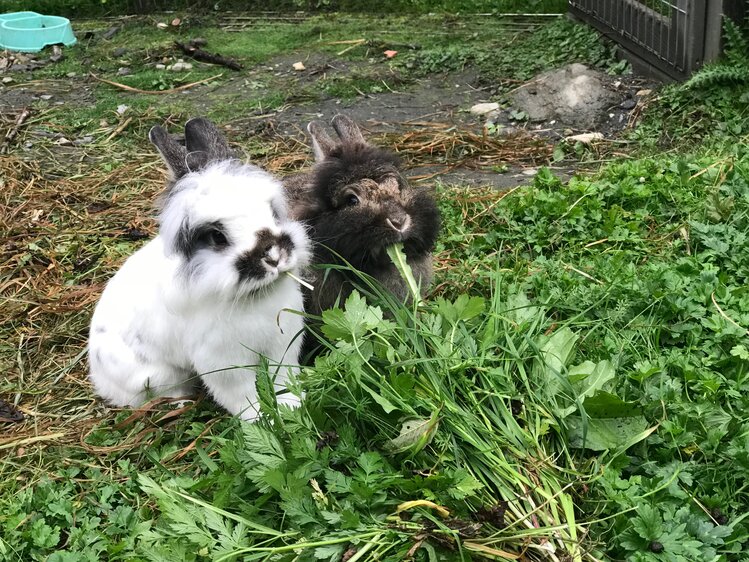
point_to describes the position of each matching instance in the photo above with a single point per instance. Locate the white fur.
(164, 320)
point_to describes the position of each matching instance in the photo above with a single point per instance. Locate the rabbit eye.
(352, 200)
(213, 237)
(217, 238)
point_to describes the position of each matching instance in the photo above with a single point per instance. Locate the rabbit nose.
(399, 223)
(272, 256)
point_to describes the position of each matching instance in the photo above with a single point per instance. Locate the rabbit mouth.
(263, 264)
(399, 227)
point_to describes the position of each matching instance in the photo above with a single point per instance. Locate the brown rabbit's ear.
(205, 143)
(174, 154)
(322, 144)
(347, 130)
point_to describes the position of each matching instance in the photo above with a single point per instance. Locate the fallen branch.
(119, 129)
(193, 51)
(13, 132)
(170, 91)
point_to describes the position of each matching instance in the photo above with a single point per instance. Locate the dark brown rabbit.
(356, 204)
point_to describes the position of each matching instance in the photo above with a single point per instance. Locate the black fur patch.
(425, 224)
(190, 238)
(250, 264)
(347, 164)
(361, 237)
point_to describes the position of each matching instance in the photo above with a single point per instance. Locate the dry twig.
(170, 91)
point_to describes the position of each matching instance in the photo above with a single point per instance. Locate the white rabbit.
(207, 297)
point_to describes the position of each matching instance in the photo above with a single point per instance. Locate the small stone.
(180, 66)
(71, 75)
(111, 32)
(628, 104)
(530, 172)
(123, 71)
(176, 22)
(484, 108)
(585, 138)
(7, 80)
(641, 93)
(122, 109)
(298, 66)
(83, 140)
(46, 97)
(118, 52)
(160, 67)
(62, 141)
(162, 25)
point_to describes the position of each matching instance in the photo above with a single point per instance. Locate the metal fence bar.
(668, 34)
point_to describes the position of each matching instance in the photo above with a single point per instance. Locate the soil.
(401, 106)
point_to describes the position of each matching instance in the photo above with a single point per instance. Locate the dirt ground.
(439, 103)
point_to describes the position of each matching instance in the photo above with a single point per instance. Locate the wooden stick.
(139, 91)
(119, 129)
(354, 46)
(192, 50)
(11, 134)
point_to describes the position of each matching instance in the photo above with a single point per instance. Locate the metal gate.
(674, 36)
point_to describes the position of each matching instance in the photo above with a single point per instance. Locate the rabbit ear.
(174, 154)
(322, 144)
(347, 130)
(205, 143)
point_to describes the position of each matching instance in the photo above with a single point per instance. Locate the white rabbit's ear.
(322, 144)
(174, 154)
(347, 130)
(205, 143)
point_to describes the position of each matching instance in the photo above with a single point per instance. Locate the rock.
(46, 97)
(118, 52)
(299, 66)
(111, 32)
(162, 25)
(530, 172)
(123, 71)
(160, 67)
(641, 93)
(484, 108)
(7, 80)
(585, 138)
(62, 141)
(180, 66)
(71, 75)
(573, 95)
(628, 104)
(83, 140)
(122, 109)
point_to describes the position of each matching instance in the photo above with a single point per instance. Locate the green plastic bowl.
(30, 32)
